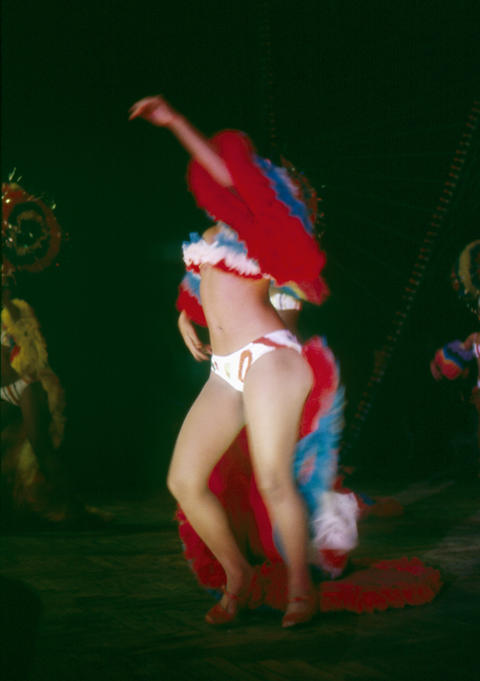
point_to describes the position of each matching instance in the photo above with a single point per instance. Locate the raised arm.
(158, 111)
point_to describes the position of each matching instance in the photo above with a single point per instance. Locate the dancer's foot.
(300, 609)
(227, 610)
(234, 600)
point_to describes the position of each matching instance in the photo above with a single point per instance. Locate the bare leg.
(210, 426)
(276, 387)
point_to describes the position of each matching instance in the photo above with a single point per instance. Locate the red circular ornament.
(31, 235)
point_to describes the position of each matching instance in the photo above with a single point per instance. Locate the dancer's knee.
(184, 486)
(275, 488)
(176, 485)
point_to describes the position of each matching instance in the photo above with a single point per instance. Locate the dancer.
(455, 359)
(260, 375)
(35, 478)
(33, 473)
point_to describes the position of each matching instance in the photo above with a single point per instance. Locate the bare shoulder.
(210, 233)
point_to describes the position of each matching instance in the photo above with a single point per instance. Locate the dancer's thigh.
(276, 387)
(211, 425)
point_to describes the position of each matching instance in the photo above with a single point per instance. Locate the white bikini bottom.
(234, 367)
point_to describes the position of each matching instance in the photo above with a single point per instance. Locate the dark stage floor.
(119, 603)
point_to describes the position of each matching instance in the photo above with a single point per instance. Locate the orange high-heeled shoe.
(220, 616)
(302, 615)
(249, 597)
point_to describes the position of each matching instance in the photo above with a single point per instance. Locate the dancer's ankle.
(300, 587)
(239, 579)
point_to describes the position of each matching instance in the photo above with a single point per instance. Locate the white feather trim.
(335, 524)
(200, 253)
(283, 301)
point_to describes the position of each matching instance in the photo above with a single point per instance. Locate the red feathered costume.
(274, 228)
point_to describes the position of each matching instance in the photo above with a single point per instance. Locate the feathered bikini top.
(226, 252)
(265, 230)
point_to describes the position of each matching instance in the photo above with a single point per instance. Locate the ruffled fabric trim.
(452, 360)
(228, 252)
(334, 530)
(326, 383)
(284, 301)
(267, 220)
(188, 298)
(333, 515)
(386, 584)
(285, 191)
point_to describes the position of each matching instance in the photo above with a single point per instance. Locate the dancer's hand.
(199, 350)
(155, 110)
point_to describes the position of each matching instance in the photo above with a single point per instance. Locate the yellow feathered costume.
(20, 471)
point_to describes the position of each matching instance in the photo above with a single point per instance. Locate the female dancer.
(259, 376)
(455, 359)
(35, 479)
(32, 408)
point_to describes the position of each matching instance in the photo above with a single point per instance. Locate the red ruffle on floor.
(387, 584)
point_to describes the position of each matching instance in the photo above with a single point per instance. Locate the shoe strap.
(233, 597)
(300, 599)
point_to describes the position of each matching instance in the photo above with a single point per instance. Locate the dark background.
(369, 99)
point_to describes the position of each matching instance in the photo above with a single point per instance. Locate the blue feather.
(283, 190)
(315, 460)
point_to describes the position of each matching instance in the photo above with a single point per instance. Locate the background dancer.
(36, 480)
(461, 359)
